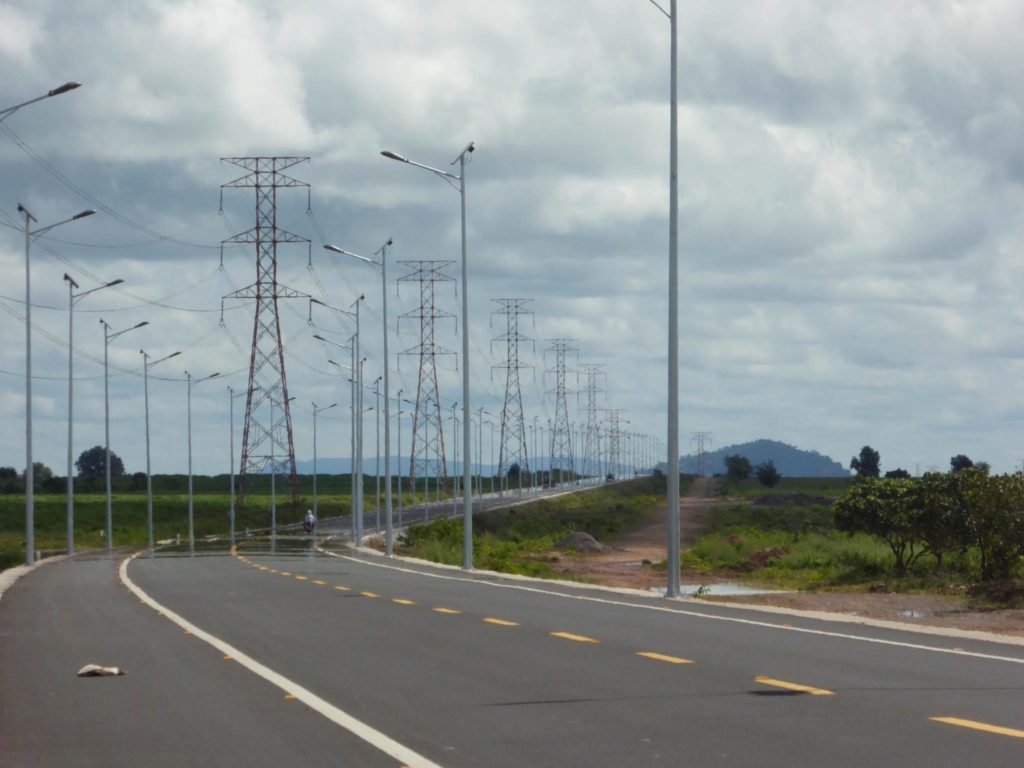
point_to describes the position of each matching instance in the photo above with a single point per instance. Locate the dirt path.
(632, 563)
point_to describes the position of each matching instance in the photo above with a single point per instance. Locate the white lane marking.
(684, 612)
(385, 744)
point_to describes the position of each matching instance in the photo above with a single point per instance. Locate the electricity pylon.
(561, 433)
(512, 450)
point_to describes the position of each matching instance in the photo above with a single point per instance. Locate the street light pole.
(30, 234)
(231, 458)
(146, 365)
(107, 338)
(191, 526)
(8, 111)
(376, 418)
(316, 410)
(459, 183)
(382, 265)
(72, 298)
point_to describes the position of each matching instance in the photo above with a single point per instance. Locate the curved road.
(306, 658)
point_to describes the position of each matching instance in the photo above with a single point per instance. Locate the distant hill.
(789, 460)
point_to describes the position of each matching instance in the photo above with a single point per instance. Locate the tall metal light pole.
(107, 338)
(376, 418)
(316, 410)
(399, 399)
(382, 266)
(673, 561)
(72, 298)
(30, 235)
(231, 457)
(459, 183)
(146, 365)
(191, 526)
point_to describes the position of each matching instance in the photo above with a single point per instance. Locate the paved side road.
(468, 670)
(179, 702)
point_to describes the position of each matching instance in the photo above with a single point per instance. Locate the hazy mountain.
(789, 460)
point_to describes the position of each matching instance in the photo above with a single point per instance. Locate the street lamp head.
(395, 156)
(112, 283)
(70, 280)
(70, 86)
(334, 248)
(139, 325)
(83, 214)
(389, 242)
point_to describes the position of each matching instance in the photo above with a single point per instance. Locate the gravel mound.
(581, 542)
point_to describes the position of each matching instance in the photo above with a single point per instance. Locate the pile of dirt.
(581, 542)
(792, 500)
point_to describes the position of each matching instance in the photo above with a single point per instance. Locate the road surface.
(303, 658)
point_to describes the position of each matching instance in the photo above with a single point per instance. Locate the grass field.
(170, 512)
(515, 540)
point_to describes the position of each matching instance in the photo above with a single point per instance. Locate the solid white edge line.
(356, 727)
(691, 613)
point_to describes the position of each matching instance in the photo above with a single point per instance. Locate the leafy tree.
(995, 520)
(898, 474)
(93, 463)
(8, 473)
(40, 472)
(737, 467)
(513, 471)
(888, 510)
(767, 474)
(866, 464)
(959, 462)
(138, 481)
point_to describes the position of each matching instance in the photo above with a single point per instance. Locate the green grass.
(516, 539)
(831, 487)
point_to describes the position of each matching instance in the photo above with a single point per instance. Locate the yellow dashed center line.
(792, 686)
(273, 570)
(502, 622)
(341, 588)
(663, 657)
(576, 638)
(302, 578)
(321, 582)
(369, 594)
(229, 658)
(290, 697)
(264, 568)
(980, 726)
(402, 601)
(447, 611)
(284, 573)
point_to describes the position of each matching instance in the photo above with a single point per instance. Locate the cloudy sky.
(850, 210)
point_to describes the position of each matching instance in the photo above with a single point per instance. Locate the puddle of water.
(916, 614)
(721, 590)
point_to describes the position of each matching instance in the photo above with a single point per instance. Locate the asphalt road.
(308, 659)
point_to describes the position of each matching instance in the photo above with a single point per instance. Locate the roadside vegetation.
(520, 539)
(211, 505)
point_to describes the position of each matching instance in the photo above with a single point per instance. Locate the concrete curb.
(11, 575)
(839, 618)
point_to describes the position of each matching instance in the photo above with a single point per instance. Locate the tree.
(888, 510)
(737, 467)
(93, 463)
(897, 474)
(959, 462)
(866, 464)
(767, 474)
(513, 471)
(8, 473)
(40, 472)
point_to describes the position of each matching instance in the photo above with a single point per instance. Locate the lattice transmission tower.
(426, 456)
(613, 416)
(267, 436)
(561, 433)
(512, 451)
(592, 375)
(703, 441)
